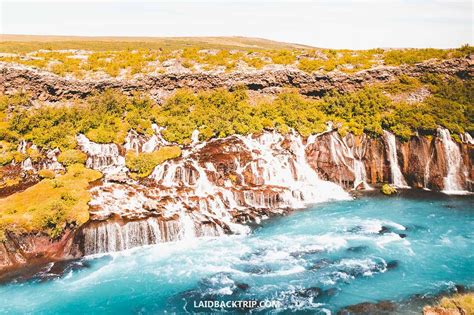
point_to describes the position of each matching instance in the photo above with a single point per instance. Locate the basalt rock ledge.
(46, 86)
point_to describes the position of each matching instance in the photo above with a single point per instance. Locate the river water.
(317, 260)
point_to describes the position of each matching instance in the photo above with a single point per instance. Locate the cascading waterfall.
(187, 225)
(103, 157)
(452, 184)
(341, 152)
(397, 177)
(290, 170)
(426, 175)
(192, 205)
(359, 167)
(106, 237)
(139, 143)
(466, 138)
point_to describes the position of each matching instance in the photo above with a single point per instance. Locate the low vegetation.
(45, 173)
(52, 204)
(82, 58)
(103, 118)
(142, 164)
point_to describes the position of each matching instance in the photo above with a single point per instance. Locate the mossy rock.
(388, 190)
(142, 164)
(456, 304)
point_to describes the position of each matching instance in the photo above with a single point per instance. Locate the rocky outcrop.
(44, 85)
(382, 307)
(422, 161)
(17, 250)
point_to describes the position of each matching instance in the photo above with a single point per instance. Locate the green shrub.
(34, 154)
(70, 157)
(310, 65)
(255, 62)
(108, 116)
(412, 56)
(284, 57)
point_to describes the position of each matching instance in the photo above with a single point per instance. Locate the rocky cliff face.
(222, 186)
(46, 86)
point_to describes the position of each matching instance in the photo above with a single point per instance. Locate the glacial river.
(317, 260)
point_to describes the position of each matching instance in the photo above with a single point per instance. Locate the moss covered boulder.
(388, 190)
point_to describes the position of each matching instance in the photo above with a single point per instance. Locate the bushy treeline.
(107, 117)
(104, 118)
(369, 110)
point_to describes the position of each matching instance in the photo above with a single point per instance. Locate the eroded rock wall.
(44, 85)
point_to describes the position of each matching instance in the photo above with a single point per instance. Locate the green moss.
(50, 204)
(388, 190)
(142, 164)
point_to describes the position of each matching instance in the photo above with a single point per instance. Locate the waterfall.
(105, 236)
(290, 170)
(103, 157)
(466, 138)
(195, 137)
(187, 225)
(397, 177)
(426, 175)
(344, 154)
(452, 184)
(143, 143)
(133, 141)
(196, 196)
(111, 236)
